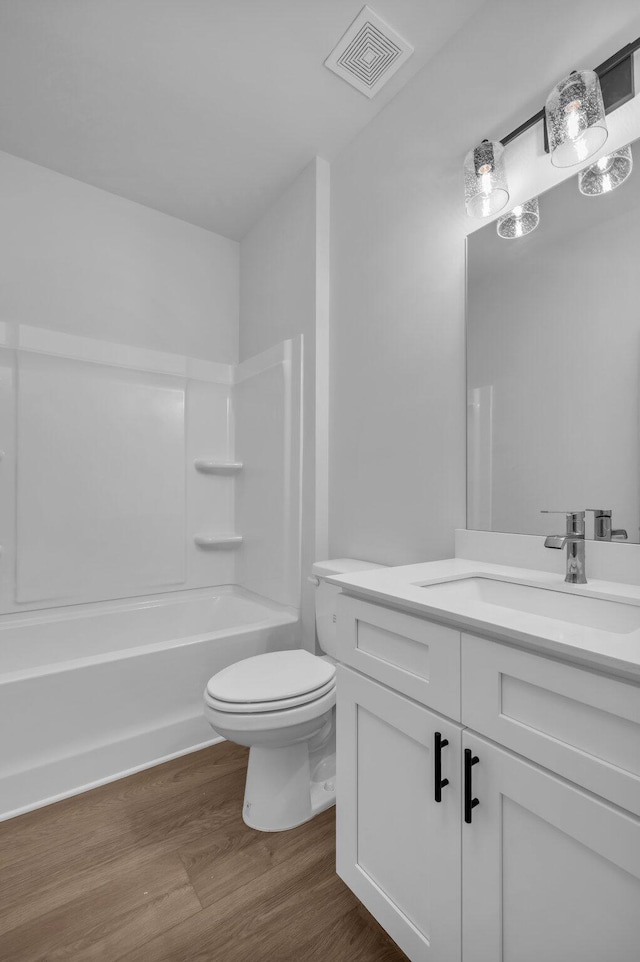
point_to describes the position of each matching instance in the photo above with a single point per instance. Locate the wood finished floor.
(160, 867)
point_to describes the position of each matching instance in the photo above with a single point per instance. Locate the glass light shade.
(485, 180)
(520, 221)
(576, 124)
(607, 173)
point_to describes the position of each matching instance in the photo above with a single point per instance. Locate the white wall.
(283, 293)
(397, 451)
(83, 261)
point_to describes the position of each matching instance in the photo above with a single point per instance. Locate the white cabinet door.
(550, 872)
(398, 848)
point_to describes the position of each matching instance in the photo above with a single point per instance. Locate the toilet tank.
(326, 597)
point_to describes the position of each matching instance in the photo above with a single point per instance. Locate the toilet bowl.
(281, 705)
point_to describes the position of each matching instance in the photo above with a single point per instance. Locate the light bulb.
(485, 180)
(575, 119)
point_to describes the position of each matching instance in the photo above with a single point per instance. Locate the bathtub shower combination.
(93, 693)
(142, 561)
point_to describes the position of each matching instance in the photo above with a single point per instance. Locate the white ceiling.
(203, 109)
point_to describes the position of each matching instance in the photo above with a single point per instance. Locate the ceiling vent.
(369, 53)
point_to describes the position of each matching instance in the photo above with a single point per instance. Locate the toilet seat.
(271, 682)
(275, 705)
(268, 721)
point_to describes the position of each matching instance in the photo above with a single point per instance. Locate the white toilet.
(281, 705)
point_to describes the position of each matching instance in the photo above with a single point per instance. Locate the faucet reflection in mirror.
(603, 526)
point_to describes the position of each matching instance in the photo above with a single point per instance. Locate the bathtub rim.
(280, 615)
(139, 651)
(35, 616)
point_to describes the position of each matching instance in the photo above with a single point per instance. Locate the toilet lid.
(273, 677)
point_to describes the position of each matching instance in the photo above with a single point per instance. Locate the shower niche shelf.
(211, 466)
(218, 540)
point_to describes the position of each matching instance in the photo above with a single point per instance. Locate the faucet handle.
(575, 521)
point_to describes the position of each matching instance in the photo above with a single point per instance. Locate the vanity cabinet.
(533, 852)
(399, 848)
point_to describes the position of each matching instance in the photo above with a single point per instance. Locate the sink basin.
(575, 609)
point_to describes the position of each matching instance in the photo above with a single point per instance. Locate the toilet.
(281, 705)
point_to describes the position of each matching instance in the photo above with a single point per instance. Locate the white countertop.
(403, 588)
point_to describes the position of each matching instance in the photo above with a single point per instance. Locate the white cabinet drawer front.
(413, 656)
(581, 725)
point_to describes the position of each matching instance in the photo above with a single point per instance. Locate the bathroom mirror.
(553, 365)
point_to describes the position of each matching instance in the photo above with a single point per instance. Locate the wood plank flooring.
(160, 867)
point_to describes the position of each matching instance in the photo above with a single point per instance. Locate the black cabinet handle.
(438, 744)
(469, 802)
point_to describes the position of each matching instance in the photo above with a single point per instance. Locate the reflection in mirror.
(553, 340)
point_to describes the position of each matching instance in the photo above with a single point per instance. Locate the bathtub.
(90, 693)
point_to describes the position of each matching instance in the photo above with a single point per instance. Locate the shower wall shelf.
(209, 466)
(218, 540)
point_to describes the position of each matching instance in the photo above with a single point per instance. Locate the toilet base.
(287, 787)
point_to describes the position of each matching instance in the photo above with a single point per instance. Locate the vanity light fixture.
(576, 124)
(607, 173)
(520, 221)
(578, 107)
(485, 179)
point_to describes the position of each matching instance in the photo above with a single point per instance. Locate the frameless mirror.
(553, 365)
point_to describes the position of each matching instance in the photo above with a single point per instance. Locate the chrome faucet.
(603, 526)
(574, 541)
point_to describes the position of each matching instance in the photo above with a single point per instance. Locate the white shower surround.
(63, 402)
(91, 693)
(104, 677)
